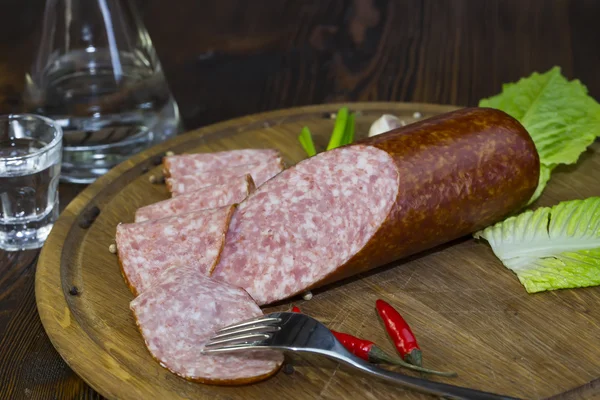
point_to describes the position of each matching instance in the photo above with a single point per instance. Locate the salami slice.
(208, 197)
(260, 172)
(192, 164)
(358, 207)
(195, 239)
(181, 312)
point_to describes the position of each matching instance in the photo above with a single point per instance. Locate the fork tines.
(253, 321)
(243, 335)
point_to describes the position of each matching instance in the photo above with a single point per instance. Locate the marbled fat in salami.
(194, 239)
(358, 207)
(178, 314)
(260, 172)
(191, 164)
(232, 192)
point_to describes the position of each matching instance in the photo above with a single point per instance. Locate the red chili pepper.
(359, 347)
(400, 333)
(370, 352)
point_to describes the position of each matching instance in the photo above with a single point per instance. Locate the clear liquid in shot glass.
(28, 193)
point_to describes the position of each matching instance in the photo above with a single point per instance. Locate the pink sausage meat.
(299, 227)
(260, 172)
(194, 239)
(213, 196)
(181, 312)
(191, 164)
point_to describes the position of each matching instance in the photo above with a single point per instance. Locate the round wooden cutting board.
(469, 313)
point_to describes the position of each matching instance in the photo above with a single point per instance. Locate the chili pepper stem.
(376, 355)
(415, 357)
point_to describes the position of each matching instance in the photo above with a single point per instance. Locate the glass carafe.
(97, 74)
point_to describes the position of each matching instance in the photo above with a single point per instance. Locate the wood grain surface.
(470, 313)
(230, 58)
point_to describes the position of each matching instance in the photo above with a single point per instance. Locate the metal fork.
(295, 332)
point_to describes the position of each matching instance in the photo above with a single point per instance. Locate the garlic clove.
(385, 123)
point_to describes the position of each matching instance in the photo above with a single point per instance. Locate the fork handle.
(422, 385)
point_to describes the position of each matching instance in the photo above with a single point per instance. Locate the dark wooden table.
(234, 57)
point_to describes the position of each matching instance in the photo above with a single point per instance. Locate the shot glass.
(30, 159)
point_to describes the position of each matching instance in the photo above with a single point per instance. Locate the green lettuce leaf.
(559, 115)
(551, 248)
(562, 119)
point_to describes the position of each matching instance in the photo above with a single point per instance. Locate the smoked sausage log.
(361, 206)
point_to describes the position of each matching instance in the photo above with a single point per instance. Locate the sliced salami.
(194, 239)
(232, 192)
(260, 172)
(358, 207)
(178, 314)
(191, 164)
